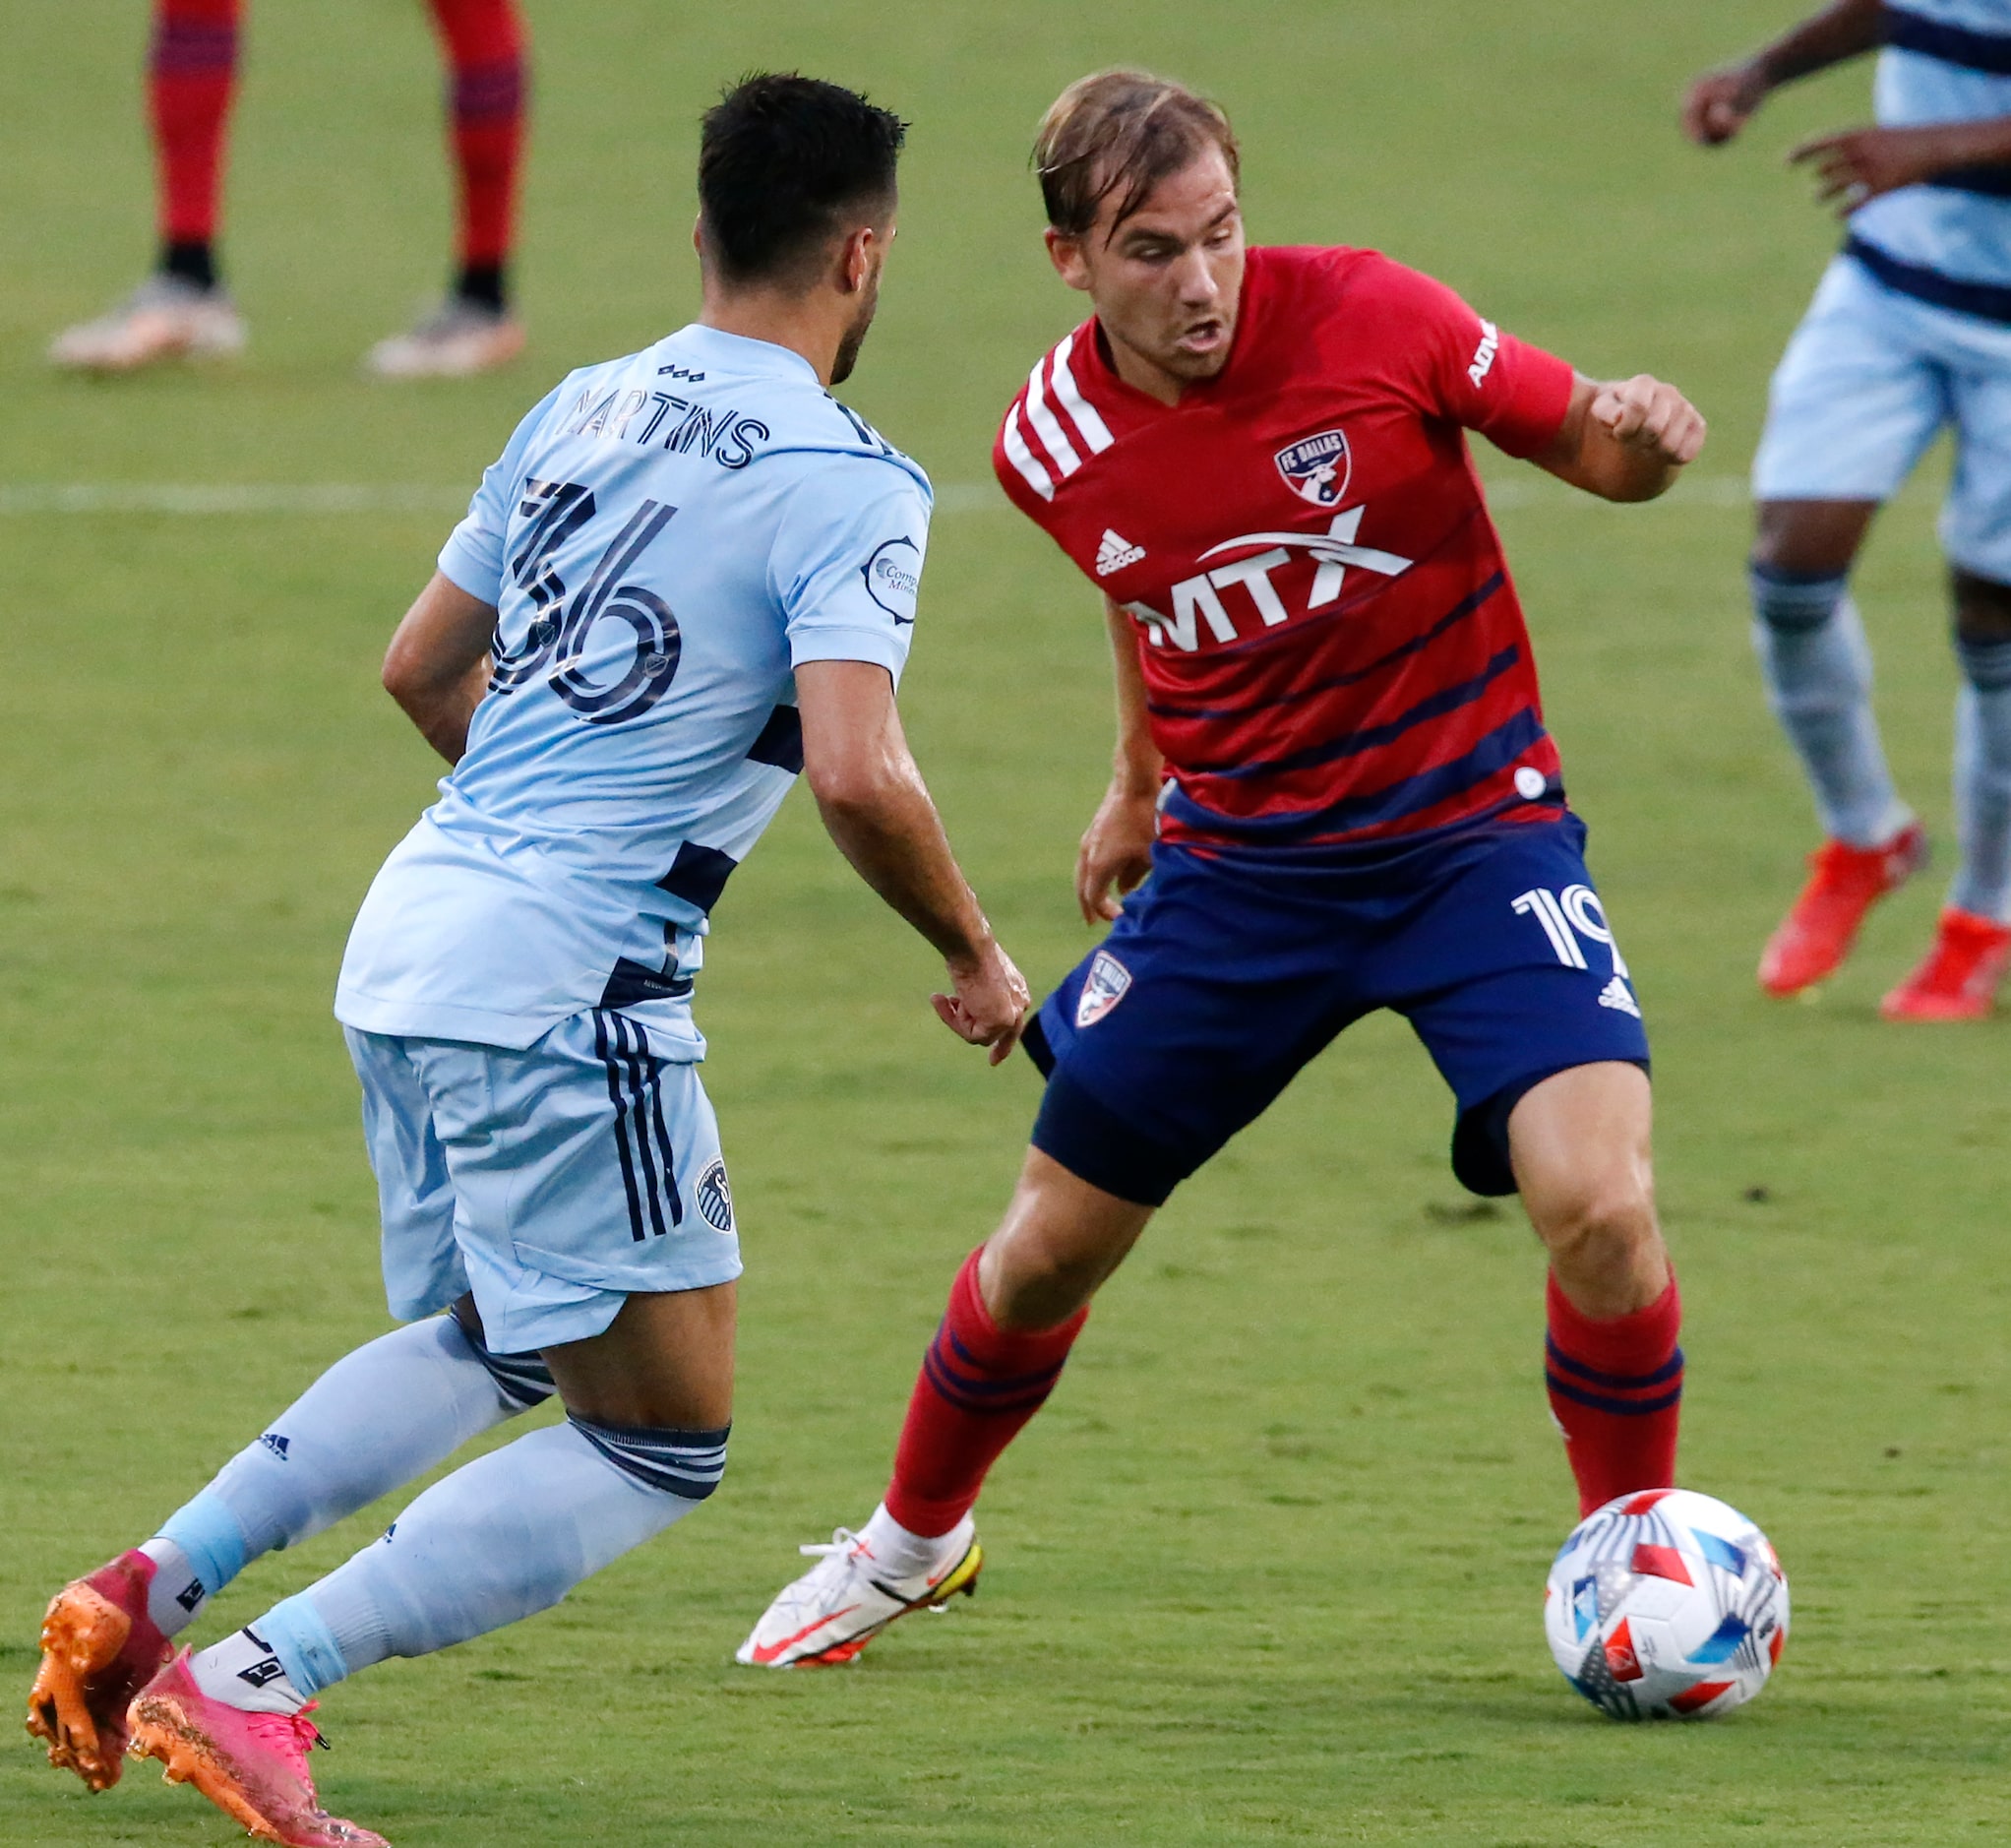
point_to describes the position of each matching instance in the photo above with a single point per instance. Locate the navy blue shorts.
(1228, 973)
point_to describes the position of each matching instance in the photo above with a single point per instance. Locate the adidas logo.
(274, 1442)
(1115, 553)
(1617, 994)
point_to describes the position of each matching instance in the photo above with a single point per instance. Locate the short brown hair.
(1121, 132)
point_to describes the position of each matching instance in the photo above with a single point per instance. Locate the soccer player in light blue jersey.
(691, 576)
(1909, 331)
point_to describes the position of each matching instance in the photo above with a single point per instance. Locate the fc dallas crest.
(1102, 989)
(1316, 468)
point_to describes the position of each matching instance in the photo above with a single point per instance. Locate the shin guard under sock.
(978, 1385)
(1615, 1389)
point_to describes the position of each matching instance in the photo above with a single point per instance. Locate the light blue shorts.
(1866, 382)
(552, 1181)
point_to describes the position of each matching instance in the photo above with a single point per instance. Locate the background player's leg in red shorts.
(483, 42)
(1579, 1146)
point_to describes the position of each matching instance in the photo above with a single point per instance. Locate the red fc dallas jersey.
(1332, 650)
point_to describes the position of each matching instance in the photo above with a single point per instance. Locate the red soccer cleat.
(1957, 980)
(253, 1766)
(1844, 883)
(99, 1648)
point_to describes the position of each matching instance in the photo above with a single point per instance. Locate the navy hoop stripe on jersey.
(1375, 737)
(1313, 689)
(1991, 301)
(1907, 30)
(1410, 797)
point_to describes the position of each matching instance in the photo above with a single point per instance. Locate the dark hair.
(1121, 132)
(782, 159)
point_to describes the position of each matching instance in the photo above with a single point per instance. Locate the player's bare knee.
(1811, 537)
(1606, 1223)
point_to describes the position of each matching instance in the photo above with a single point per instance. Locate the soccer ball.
(1667, 1605)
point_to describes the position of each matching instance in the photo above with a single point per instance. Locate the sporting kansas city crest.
(1102, 988)
(1316, 467)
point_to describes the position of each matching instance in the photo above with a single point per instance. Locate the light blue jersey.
(1948, 242)
(665, 538)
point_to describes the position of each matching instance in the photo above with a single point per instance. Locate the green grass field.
(1270, 1567)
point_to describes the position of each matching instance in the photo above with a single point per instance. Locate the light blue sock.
(1983, 781)
(379, 1417)
(497, 1541)
(1817, 666)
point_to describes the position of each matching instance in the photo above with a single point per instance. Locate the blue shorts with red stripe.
(1228, 971)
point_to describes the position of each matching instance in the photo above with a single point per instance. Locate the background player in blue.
(691, 576)
(1909, 331)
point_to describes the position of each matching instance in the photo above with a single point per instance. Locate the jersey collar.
(738, 352)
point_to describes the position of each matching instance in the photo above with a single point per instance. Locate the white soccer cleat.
(837, 1607)
(165, 318)
(454, 342)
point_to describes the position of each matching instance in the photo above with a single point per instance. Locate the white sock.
(904, 1554)
(242, 1672)
(175, 1598)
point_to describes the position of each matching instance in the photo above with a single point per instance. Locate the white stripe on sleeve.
(1022, 457)
(1048, 427)
(1092, 428)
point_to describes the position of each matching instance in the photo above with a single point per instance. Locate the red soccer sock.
(484, 44)
(978, 1385)
(1616, 1391)
(191, 71)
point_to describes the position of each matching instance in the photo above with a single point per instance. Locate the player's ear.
(1065, 253)
(855, 260)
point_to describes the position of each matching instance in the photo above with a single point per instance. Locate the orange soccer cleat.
(253, 1766)
(100, 1647)
(1958, 979)
(1844, 883)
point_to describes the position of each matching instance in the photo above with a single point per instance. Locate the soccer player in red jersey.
(1333, 792)
(183, 311)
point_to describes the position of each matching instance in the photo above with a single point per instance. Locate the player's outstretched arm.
(1722, 102)
(1115, 852)
(1624, 441)
(437, 668)
(876, 808)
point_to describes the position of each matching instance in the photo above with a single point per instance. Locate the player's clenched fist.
(1643, 413)
(990, 1001)
(1721, 102)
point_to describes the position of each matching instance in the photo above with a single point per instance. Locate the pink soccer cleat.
(1844, 883)
(99, 1648)
(253, 1766)
(1957, 980)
